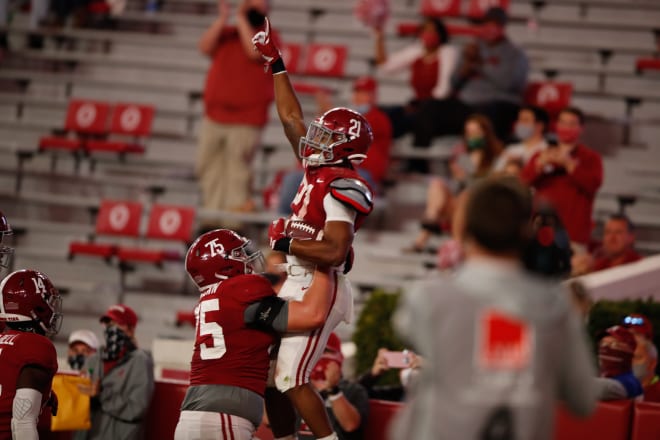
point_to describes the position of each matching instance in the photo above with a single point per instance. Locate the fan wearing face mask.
(122, 379)
(567, 176)
(615, 353)
(529, 129)
(474, 158)
(82, 344)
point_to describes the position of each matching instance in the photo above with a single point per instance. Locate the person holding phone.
(406, 360)
(568, 176)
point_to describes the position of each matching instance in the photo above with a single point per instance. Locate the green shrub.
(374, 330)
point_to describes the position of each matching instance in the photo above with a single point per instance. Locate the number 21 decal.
(354, 129)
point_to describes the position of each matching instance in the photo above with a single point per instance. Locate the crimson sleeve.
(588, 174)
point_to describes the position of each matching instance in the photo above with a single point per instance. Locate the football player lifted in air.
(231, 358)
(331, 203)
(30, 310)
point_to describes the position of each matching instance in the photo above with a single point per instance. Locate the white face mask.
(640, 371)
(524, 131)
(363, 109)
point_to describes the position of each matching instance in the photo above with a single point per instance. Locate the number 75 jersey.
(226, 351)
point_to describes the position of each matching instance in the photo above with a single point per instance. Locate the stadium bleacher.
(602, 48)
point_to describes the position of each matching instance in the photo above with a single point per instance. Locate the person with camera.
(237, 96)
(406, 360)
(567, 175)
(346, 402)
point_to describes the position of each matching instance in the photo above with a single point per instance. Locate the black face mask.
(76, 362)
(255, 17)
(117, 343)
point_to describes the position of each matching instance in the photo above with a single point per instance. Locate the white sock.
(332, 436)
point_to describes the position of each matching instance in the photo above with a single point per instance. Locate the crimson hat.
(638, 323)
(365, 83)
(121, 314)
(333, 349)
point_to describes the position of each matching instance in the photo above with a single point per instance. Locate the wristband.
(283, 245)
(333, 397)
(278, 67)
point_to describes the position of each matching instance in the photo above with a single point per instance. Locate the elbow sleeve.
(25, 412)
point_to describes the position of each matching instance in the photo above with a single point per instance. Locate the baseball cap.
(365, 83)
(121, 314)
(86, 337)
(639, 323)
(496, 14)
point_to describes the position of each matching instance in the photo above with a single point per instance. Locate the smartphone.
(397, 359)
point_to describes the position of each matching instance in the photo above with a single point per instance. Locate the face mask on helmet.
(316, 147)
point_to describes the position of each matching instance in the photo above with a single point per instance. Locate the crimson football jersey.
(308, 203)
(18, 349)
(226, 351)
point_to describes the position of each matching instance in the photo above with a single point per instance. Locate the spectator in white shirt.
(530, 129)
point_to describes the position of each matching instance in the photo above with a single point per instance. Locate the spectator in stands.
(615, 353)
(645, 360)
(276, 269)
(370, 379)
(122, 380)
(471, 160)
(458, 326)
(236, 99)
(374, 168)
(38, 12)
(618, 244)
(491, 75)
(529, 130)
(431, 61)
(347, 403)
(568, 176)
(82, 344)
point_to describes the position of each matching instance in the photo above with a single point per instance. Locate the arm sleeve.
(130, 400)
(401, 59)
(336, 211)
(25, 413)
(529, 174)
(588, 174)
(577, 387)
(448, 62)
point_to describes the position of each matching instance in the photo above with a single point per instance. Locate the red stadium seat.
(549, 95)
(116, 218)
(643, 64)
(185, 317)
(610, 421)
(646, 421)
(174, 374)
(326, 60)
(163, 414)
(166, 222)
(128, 120)
(441, 8)
(84, 118)
(478, 8)
(381, 413)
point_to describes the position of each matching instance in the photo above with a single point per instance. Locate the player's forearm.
(289, 110)
(311, 312)
(324, 252)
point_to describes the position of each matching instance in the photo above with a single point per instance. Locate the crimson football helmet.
(340, 133)
(30, 302)
(221, 254)
(6, 252)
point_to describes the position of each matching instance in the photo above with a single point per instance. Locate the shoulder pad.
(353, 193)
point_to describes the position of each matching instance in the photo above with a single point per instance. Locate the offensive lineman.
(229, 368)
(30, 309)
(331, 203)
